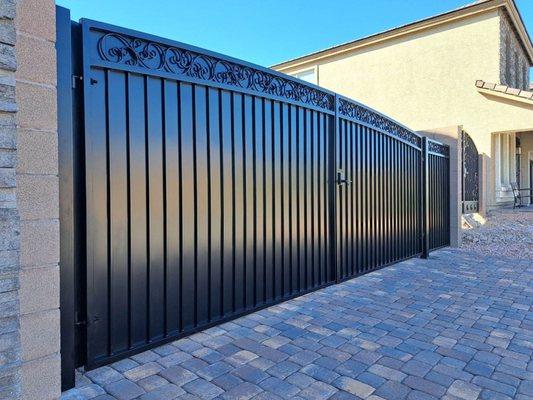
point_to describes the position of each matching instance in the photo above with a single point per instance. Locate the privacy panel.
(439, 195)
(204, 200)
(378, 197)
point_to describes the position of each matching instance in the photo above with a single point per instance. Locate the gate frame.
(470, 205)
(70, 197)
(74, 340)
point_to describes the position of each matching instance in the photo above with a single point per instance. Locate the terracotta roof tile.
(526, 94)
(513, 91)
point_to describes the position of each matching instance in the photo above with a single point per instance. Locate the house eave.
(454, 15)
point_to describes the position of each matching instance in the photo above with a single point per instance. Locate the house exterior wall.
(37, 199)
(426, 79)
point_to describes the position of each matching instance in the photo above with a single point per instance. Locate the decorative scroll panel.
(132, 51)
(370, 117)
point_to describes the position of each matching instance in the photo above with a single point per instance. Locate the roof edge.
(463, 12)
(504, 91)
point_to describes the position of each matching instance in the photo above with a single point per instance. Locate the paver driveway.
(456, 326)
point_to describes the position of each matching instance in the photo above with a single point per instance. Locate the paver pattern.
(456, 326)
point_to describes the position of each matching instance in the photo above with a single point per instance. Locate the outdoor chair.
(518, 196)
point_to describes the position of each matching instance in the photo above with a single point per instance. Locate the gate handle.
(341, 180)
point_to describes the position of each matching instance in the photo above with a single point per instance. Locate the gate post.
(424, 182)
(64, 109)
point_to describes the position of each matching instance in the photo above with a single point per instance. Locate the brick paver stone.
(244, 391)
(124, 389)
(455, 326)
(464, 390)
(203, 389)
(168, 391)
(353, 386)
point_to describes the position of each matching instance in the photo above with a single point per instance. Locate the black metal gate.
(207, 187)
(470, 174)
(438, 184)
(378, 201)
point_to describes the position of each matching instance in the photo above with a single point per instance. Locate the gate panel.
(470, 174)
(214, 187)
(439, 197)
(207, 190)
(378, 190)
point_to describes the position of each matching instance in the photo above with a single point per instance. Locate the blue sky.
(266, 31)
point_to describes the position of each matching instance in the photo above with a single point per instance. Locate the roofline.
(466, 11)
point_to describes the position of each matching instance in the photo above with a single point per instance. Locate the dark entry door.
(470, 173)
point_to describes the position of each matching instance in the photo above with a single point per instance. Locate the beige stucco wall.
(427, 79)
(37, 196)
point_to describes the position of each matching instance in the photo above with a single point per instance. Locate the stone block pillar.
(10, 387)
(38, 200)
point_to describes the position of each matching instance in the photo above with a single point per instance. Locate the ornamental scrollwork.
(438, 148)
(122, 49)
(363, 114)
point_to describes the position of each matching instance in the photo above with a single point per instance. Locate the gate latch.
(341, 178)
(79, 321)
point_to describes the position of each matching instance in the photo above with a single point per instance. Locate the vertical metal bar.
(340, 200)
(293, 199)
(259, 174)
(227, 185)
(215, 203)
(424, 183)
(332, 189)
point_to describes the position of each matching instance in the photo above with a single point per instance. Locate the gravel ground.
(507, 233)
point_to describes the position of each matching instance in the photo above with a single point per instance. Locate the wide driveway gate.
(197, 188)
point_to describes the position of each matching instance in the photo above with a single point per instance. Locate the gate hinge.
(74, 79)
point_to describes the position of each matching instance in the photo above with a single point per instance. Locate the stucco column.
(505, 159)
(497, 164)
(483, 166)
(512, 157)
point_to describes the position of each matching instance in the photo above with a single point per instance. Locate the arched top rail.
(138, 52)
(438, 149)
(348, 108)
(133, 51)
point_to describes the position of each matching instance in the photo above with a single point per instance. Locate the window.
(307, 75)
